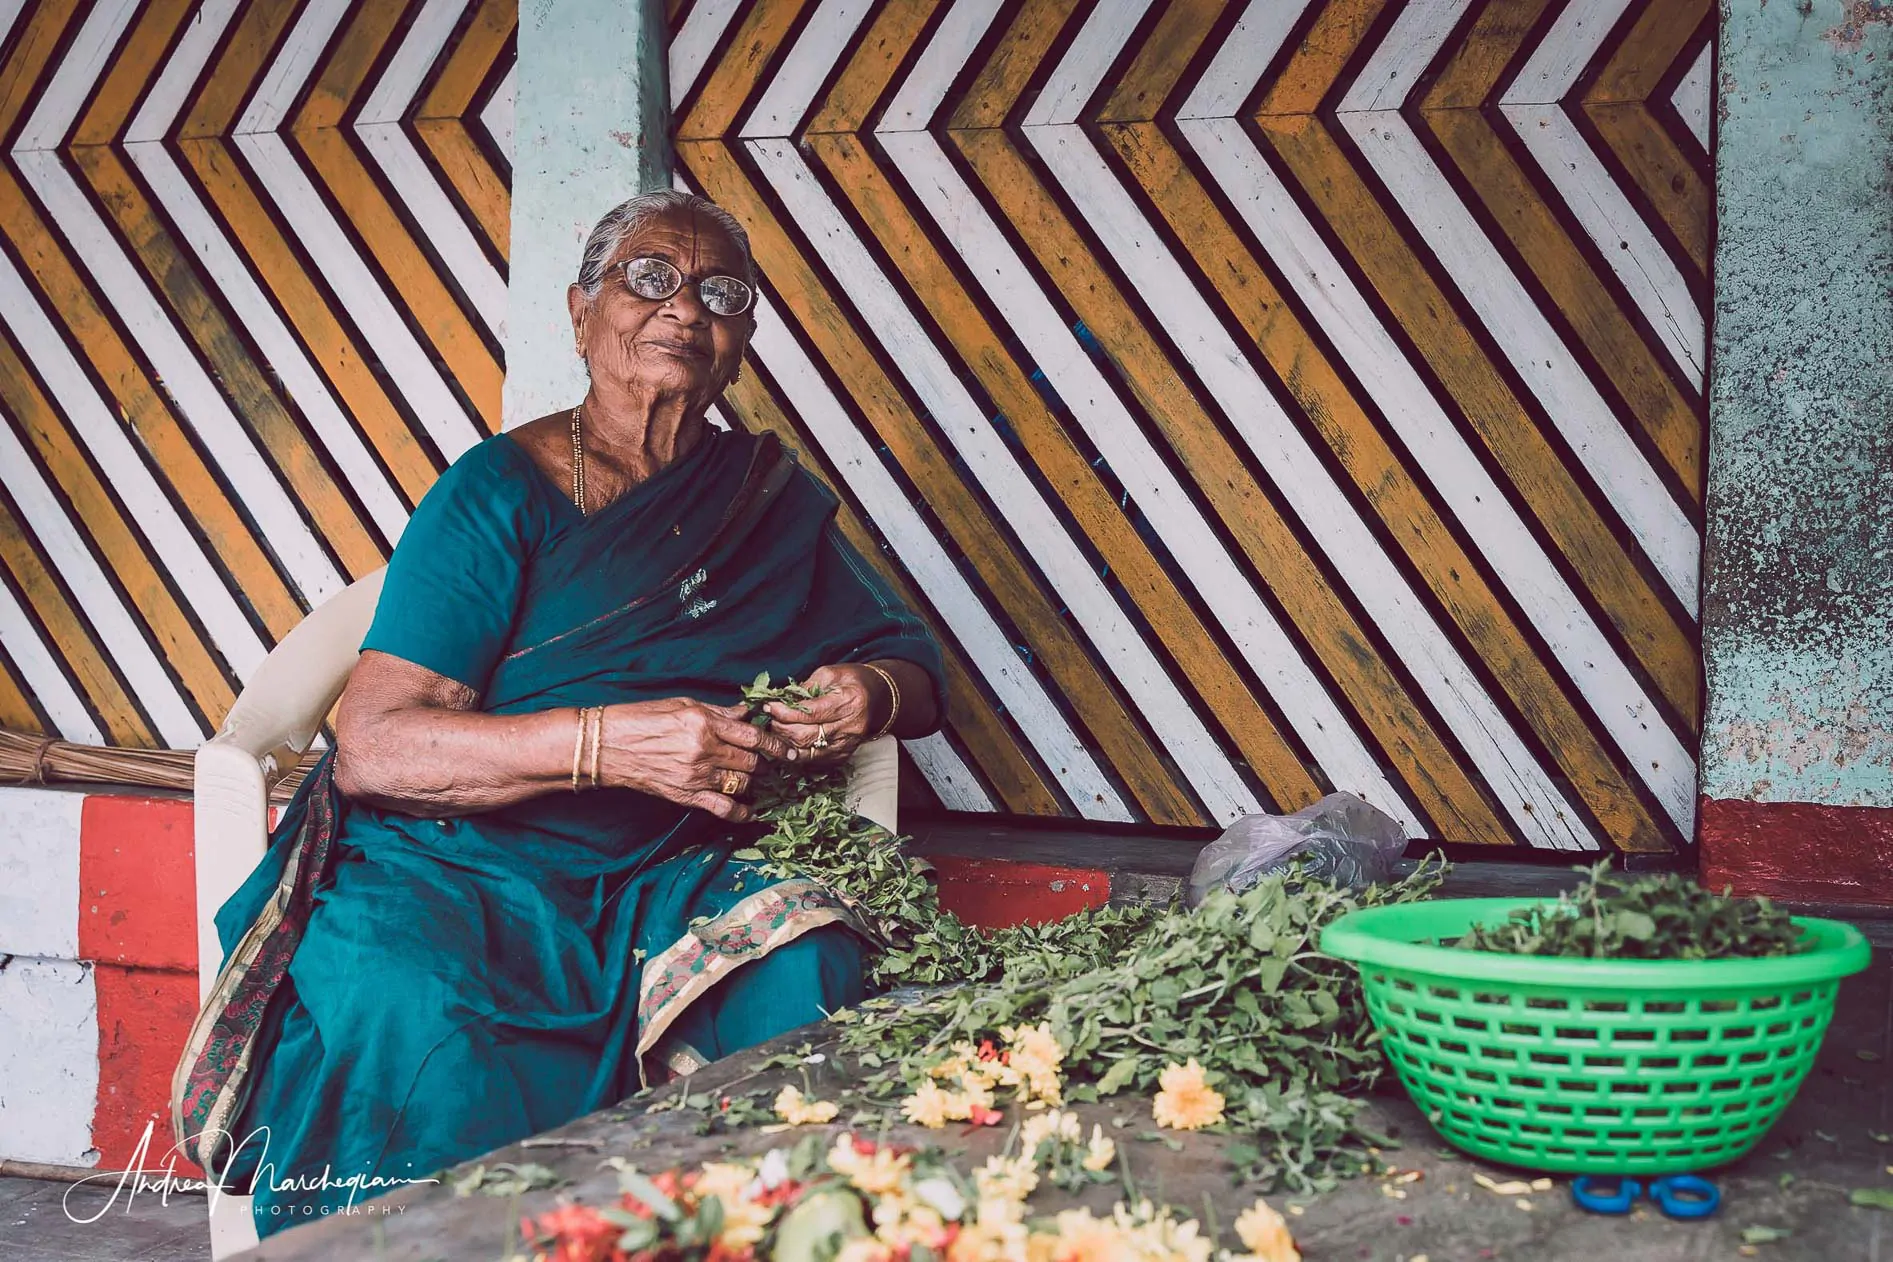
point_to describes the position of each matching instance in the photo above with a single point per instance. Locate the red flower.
(576, 1234)
(981, 1116)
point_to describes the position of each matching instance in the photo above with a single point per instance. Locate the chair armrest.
(874, 782)
(230, 828)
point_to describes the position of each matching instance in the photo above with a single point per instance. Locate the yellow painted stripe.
(1598, 559)
(866, 76)
(1409, 519)
(16, 712)
(992, 745)
(1089, 691)
(1161, 59)
(482, 43)
(145, 411)
(1300, 86)
(1658, 166)
(1091, 504)
(1471, 74)
(31, 57)
(233, 75)
(731, 80)
(1663, 31)
(1014, 60)
(480, 188)
(1392, 719)
(343, 362)
(136, 64)
(105, 696)
(262, 412)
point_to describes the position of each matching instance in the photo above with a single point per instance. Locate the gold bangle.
(893, 711)
(598, 741)
(578, 748)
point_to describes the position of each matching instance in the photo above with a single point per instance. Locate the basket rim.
(1366, 937)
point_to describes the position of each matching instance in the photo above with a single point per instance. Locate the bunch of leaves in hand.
(813, 832)
(1665, 916)
(1238, 984)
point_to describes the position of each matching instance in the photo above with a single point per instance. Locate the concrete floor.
(1825, 1142)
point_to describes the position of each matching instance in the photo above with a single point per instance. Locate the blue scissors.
(1677, 1195)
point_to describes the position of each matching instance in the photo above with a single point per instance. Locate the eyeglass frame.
(624, 272)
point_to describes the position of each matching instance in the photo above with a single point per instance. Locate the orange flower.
(1187, 1102)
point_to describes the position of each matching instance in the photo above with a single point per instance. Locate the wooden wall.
(1261, 397)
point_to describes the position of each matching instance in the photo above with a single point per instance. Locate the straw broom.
(27, 759)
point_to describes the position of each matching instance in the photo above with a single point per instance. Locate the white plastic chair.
(264, 736)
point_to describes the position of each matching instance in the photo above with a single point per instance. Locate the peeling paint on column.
(1798, 599)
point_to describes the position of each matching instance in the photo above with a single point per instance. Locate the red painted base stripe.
(995, 893)
(1799, 850)
(144, 1017)
(137, 882)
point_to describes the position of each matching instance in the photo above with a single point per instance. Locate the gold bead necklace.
(578, 462)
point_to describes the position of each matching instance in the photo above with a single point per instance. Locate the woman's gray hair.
(633, 213)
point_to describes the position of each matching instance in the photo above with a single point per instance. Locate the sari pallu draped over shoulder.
(400, 993)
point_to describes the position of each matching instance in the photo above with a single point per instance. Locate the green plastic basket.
(1591, 1066)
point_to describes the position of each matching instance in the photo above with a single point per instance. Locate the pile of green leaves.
(813, 832)
(1238, 984)
(1660, 916)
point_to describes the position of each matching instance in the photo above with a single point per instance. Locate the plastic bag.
(1341, 839)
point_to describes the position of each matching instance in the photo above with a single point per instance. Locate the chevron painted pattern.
(1262, 397)
(252, 295)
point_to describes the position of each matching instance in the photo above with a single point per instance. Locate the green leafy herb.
(1664, 916)
(1876, 1198)
(505, 1178)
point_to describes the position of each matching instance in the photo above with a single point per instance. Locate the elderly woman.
(512, 896)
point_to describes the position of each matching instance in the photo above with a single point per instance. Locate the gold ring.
(732, 783)
(821, 736)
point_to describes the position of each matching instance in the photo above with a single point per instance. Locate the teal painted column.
(591, 128)
(1797, 753)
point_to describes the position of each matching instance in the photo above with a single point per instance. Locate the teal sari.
(401, 993)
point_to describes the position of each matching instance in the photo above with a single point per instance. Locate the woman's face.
(674, 346)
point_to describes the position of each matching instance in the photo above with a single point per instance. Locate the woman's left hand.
(830, 727)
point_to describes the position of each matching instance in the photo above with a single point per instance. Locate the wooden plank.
(1684, 201)
(79, 652)
(234, 74)
(866, 76)
(1300, 86)
(429, 304)
(1611, 577)
(1091, 505)
(332, 512)
(278, 267)
(464, 166)
(994, 746)
(1416, 527)
(146, 584)
(1087, 689)
(136, 63)
(17, 711)
(1143, 87)
(1014, 61)
(1424, 765)
(145, 410)
(483, 42)
(737, 71)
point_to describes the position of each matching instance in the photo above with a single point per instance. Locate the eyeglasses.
(658, 279)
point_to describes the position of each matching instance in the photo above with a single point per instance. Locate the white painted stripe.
(1243, 59)
(1190, 540)
(80, 65)
(1032, 520)
(117, 631)
(44, 680)
(181, 375)
(1086, 61)
(402, 357)
(958, 788)
(280, 349)
(1600, 443)
(1693, 94)
(291, 67)
(887, 506)
(424, 199)
(39, 872)
(794, 83)
(9, 14)
(49, 1061)
(497, 116)
(1621, 236)
(1536, 805)
(1403, 55)
(690, 48)
(408, 69)
(923, 91)
(171, 91)
(97, 426)
(1567, 48)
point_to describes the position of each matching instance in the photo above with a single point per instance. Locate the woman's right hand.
(686, 751)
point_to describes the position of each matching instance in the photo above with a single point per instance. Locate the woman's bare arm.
(410, 740)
